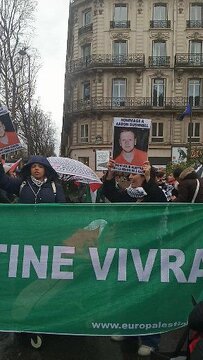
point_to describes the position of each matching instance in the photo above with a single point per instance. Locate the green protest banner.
(99, 269)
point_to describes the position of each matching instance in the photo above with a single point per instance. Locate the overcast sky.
(50, 40)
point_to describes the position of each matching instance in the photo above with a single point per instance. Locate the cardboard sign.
(130, 143)
(102, 158)
(9, 140)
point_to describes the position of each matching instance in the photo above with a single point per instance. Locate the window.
(194, 132)
(195, 57)
(84, 133)
(86, 90)
(159, 53)
(86, 53)
(160, 12)
(119, 92)
(120, 18)
(87, 25)
(194, 86)
(84, 160)
(160, 17)
(120, 12)
(196, 15)
(87, 17)
(157, 132)
(119, 51)
(158, 92)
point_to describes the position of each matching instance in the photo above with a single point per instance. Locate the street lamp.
(23, 52)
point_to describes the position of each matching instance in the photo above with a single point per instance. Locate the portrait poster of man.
(130, 143)
(9, 140)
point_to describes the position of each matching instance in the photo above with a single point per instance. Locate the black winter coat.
(113, 194)
(29, 192)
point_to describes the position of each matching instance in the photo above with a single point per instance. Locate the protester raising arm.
(109, 189)
(9, 184)
(142, 187)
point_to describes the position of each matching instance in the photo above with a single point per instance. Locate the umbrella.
(70, 169)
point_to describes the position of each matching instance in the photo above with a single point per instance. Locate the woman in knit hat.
(190, 188)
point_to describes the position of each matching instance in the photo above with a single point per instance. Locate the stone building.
(133, 58)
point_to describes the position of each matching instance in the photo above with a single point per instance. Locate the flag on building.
(187, 112)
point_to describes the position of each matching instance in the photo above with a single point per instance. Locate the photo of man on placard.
(129, 153)
(130, 142)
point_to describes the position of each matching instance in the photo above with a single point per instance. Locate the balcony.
(85, 29)
(194, 24)
(159, 61)
(106, 61)
(160, 24)
(129, 104)
(122, 24)
(189, 60)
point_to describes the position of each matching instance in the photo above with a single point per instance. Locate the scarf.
(136, 193)
(39, 183)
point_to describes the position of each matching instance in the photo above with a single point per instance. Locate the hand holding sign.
(110, 166)
(147, 169)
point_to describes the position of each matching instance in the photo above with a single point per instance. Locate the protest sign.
(179, 154)
(102, 158)
(75, 271)
(130, 143)
(9, 140)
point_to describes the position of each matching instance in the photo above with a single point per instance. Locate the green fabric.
(123, 269)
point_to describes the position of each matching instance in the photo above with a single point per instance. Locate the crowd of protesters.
(37, 182)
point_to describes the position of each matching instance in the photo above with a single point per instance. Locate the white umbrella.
(70, 169)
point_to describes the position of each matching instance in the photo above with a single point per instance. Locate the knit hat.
(186, 172)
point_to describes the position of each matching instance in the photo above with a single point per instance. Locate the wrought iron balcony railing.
(194, 24)
(189, 60)
(106, 60)
(122, 24)
(156, 24)
(130, 104)
(157, 61)
(85, 29)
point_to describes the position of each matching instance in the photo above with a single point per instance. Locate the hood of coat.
(188, 173)
(37, 159)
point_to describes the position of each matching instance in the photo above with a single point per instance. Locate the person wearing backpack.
(36, 184)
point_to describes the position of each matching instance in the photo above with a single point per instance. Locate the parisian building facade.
(133, 58)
